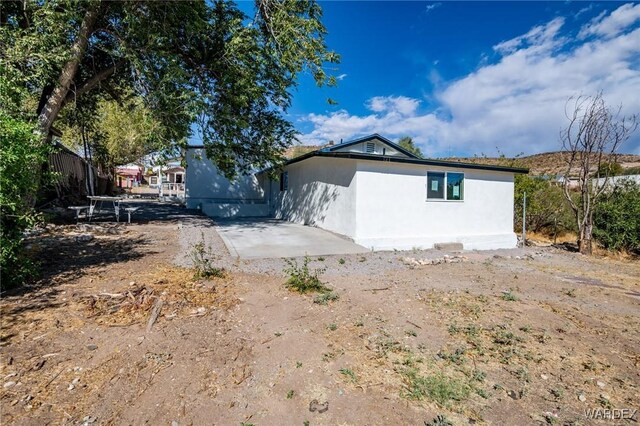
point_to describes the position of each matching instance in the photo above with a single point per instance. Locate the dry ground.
(511, 337)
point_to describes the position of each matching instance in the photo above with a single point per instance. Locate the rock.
(604, 396)
(92, 347)
(513, 394)
(600, 384)
(9, 384)
(544, 376)
(88, 420)
(582, 398)
(84, 238)
(175, 423)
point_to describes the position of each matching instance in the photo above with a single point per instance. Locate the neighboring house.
(128, 176)
(372, 191)
(171, 173)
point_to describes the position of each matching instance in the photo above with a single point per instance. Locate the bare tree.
(593, 137)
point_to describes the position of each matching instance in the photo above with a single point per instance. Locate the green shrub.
(20, 172)
(302, 279)
(616, 218)
(438, 387)
(325, 298)
(202, 259)
(547, 209)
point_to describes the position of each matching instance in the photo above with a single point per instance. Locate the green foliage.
(302, 279)
(202, 257)
(437, 387)
(617, 218)
(439, 420)
(608, 169)
(325, 298)
(407, 143)
(347, 372)
(21, 156)
(547, 208)
(198, 62)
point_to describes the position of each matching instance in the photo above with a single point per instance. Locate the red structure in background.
(128, 176)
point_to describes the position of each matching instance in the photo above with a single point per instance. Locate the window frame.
(445, 187)
(284, 181)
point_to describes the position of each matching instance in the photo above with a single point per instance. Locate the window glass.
(284, 181)
(455, 186)
(435, 185)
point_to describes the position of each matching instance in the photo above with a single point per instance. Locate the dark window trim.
(445, 186)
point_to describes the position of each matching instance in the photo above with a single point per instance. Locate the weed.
(277, 334)
(482, 393)
(456, 357)
(321, 259)
(325, 298)
(298, 364)
(509, 296)
(333, 326)
(604, 402)
(328, 356)
(479, 376)
(523, 374)
(350, 374)
(454, 329)
(502, 337)
(557, 392)
(305, 423)
(570, 292)
(550, 418)
(362, 259)
(302, 279)
(290, 394)
(525, 328)
(341, 261)
(201, 257)
(438, 387)
(410, 333)
(411, 360)
(439, 420)
(359, 323)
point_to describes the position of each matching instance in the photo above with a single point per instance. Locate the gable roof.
(374, 136)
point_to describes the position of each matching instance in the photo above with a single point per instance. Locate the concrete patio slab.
(271, 238)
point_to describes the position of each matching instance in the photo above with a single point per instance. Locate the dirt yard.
(118, 331)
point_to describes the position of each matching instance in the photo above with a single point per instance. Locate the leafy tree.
(608, 169)
(616, 218)
(595, 132)
(189, 61)
(407, 143)
(547, 210)
(21, 153)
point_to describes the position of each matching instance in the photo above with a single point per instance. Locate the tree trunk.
(55, 101)
(585, 241)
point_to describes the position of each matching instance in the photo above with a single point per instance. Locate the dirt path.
(509, 337)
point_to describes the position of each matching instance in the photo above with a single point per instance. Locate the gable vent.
(370, 148)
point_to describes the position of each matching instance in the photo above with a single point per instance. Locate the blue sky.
(466, 78)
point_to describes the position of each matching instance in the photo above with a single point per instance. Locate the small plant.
(359, 323)
(362, 259)
(509, 296)
(411, 333)
(506, 338)
(333, 326)
(454, 329)
(290, 394)
(321, 259)
(277, 334)
(439, 420)
(302, 279)
(325, 298)
(328, 356)
(571, 292)
(341, 261)
(523, 374)
(201, 257)
(557, 392)
(455, 357)
(604, 402)
(479, 376)
(438, 388)
(525, 328)
(482, 393)
(550, 418)
(349, 373)
(298, 364)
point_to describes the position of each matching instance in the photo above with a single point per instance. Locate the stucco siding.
(321, 192)
(392, 211)
(205, 185)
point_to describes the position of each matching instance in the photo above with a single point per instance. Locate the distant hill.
(551, 163)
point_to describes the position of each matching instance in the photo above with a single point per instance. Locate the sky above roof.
(465, 78)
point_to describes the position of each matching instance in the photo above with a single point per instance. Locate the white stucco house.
(372, 191)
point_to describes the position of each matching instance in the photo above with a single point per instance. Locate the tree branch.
(93, 82)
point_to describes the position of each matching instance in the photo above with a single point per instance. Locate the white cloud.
(432, 6)
(341, 77)
(516, 104)
(612, 25)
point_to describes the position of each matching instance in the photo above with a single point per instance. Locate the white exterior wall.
(393, 213)
(322, 193)
(216, 195)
